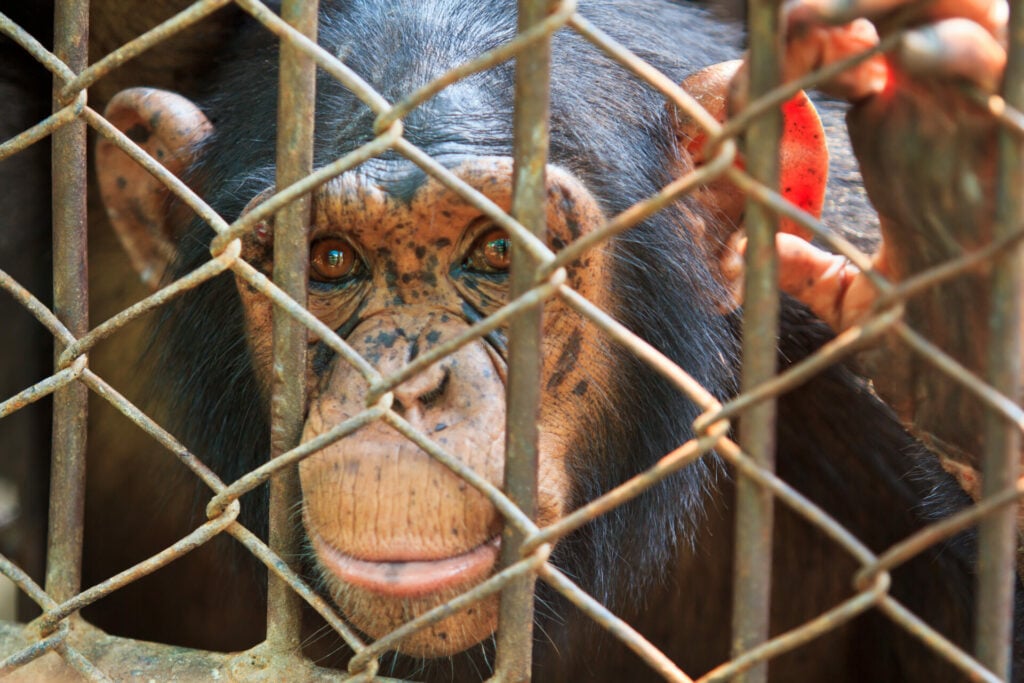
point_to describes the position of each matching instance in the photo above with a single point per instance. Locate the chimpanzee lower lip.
(409, 579)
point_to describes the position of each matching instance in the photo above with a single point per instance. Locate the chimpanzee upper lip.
(409, 579)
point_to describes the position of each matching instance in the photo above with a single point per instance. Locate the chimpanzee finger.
(816, 12)
(954, 48)
(990, 14)
(816, 46)
(828, 284)
(966, 42)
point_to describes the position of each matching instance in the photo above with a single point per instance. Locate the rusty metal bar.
(937, 532)
(834, 350)
(70, 303)
(955, 370)
(81, 665)
(641, 348)
(41, 389)
(158, 171)
(36, 308)
(829, 238)
(146, 424)
(295, 116)
(515, 617)
(25, 583)
(776, 97)
(646, 208)
(997, 540)
(796, 501)
(672, 91)
(754, 504)
(32, 652)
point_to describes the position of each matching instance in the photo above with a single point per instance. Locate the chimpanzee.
(398, 264)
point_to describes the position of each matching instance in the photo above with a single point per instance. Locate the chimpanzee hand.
(927, 153)
(964, 44)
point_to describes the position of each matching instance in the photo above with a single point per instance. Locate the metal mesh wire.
(101, 657)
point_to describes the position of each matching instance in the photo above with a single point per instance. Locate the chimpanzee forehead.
(371, 201)
(378, 195)
(403, 181)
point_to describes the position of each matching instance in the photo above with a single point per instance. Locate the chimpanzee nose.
(423, 391)
(391, 342)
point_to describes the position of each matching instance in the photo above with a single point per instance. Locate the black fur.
(659, 559)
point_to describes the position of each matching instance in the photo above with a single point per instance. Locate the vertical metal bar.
(754, 505)
(997, 546)
(515, 618)
(296, 104)
(70, 303)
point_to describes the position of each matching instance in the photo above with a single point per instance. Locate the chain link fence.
(64, 644)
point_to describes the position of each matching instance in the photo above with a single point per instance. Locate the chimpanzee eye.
(331, 258)
(491, 252)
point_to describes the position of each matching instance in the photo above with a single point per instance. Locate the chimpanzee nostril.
(433, 395)
(423, 391)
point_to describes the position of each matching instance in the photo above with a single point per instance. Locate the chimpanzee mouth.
(413, 578)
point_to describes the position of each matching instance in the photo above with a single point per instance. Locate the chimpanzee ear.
(803, 154)
(169, 127)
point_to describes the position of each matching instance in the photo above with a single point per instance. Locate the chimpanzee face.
(394, 532)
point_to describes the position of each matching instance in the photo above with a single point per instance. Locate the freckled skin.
(364, 496)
